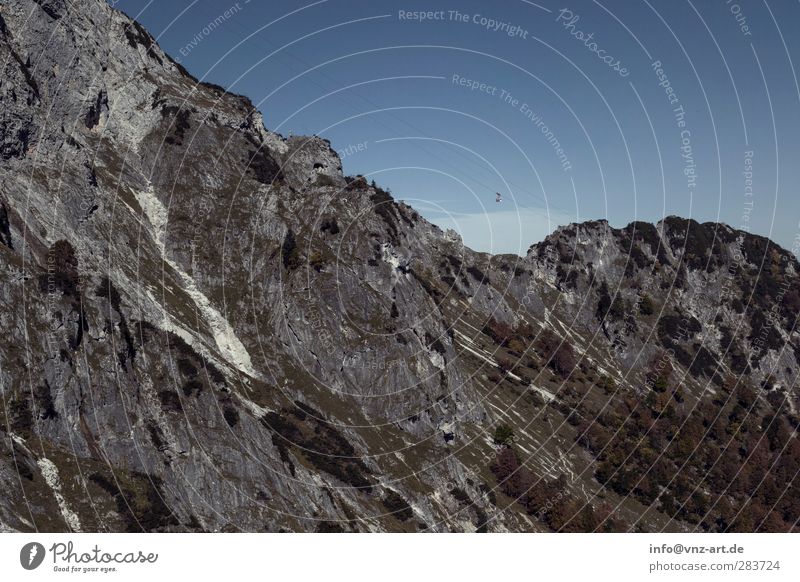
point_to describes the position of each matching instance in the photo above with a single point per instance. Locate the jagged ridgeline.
(206, 327)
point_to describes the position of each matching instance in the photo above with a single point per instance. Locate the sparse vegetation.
(62, 270)
(139, 499)
(558, 353)
(5, 227)
(317, 261)
(290, 253)
(330, 226)
(231, 415)
(324, 180)
(549, 501)
(321, 444)
(646, 305)
(397, 506)
(504, 435)
(385, 207)
(264, 168)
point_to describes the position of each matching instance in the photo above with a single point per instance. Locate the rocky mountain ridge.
(209, 327)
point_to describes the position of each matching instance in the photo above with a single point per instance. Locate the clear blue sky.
(362, 72)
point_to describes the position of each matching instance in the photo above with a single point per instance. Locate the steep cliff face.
(208, 327)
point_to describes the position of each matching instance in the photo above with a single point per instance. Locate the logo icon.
(31, 555)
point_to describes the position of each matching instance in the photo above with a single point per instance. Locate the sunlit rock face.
(208, 327)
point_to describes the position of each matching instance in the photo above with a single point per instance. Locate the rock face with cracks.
(208, 327)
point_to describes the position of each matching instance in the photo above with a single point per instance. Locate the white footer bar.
(401, 557)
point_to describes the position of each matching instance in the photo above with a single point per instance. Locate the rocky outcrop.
(208, 327)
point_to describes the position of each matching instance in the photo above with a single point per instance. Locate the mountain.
(207, 327)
